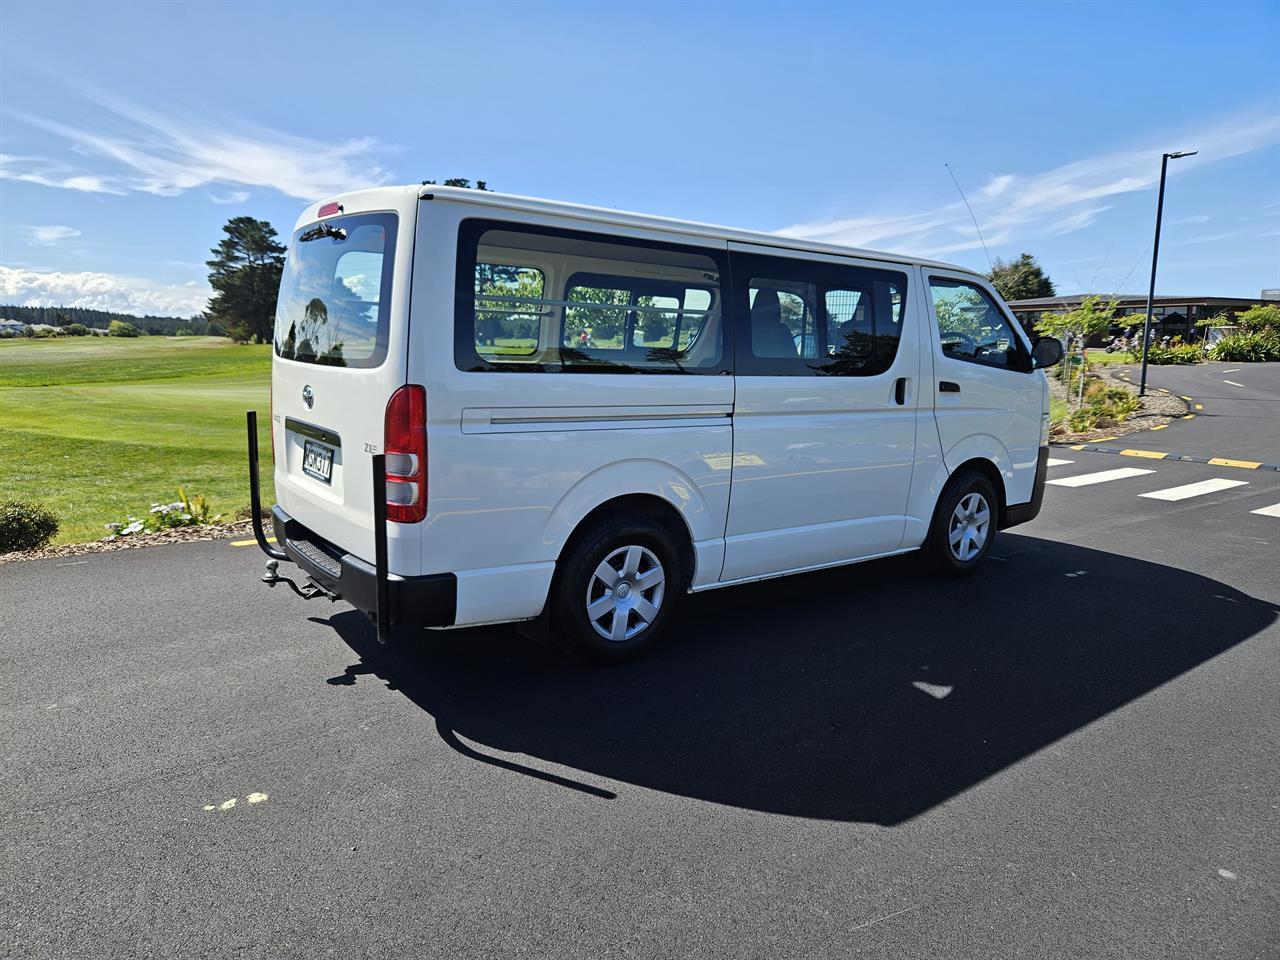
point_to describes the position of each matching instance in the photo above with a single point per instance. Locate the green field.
(100, 429)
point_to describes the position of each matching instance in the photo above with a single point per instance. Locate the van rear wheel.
(615, 589)
(964, 525)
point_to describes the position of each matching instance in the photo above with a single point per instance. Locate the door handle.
(900, 391)
(947, 386)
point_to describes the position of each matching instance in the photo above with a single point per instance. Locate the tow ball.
(309, 591)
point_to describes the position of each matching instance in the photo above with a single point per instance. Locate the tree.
(122, 328)
(245, 275)
(1259, 317)
(1020, 279)
(1081, 323)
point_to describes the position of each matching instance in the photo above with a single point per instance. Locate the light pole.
(1155, 255)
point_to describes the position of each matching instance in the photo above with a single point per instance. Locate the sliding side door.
(827, 357)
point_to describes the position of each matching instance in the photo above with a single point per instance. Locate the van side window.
(810, 318)
(507, 298)
(972, 328)
(538, 299)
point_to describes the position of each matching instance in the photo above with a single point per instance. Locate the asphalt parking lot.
(1072, 754)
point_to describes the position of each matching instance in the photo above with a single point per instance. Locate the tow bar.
(381, 614)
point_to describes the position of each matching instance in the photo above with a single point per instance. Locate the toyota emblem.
(308, 396)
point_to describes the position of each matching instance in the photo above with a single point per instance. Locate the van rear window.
(541, 300)
(333, 305)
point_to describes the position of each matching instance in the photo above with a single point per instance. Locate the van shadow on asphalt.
(867, 693)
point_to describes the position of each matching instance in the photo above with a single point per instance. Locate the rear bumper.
(429, 601)
(1016, 513)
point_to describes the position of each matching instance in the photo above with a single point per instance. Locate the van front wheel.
(964, 525)
(615, 589)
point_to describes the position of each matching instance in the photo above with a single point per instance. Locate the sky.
(129, 133)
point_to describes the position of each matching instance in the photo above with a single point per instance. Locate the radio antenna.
(971, 216)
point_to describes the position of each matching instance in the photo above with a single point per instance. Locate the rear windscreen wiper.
(323, 230)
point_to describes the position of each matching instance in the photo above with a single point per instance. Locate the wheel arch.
(988, 469)
(653, 489)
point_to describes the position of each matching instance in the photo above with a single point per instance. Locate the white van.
(583, 415)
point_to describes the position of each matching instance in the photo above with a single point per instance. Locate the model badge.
(308, 396)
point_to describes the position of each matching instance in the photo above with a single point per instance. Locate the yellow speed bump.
(1189, 416)
(250, 543)
(1243, 464)
(1199, 406)
(1161, 426)
(1148, 454)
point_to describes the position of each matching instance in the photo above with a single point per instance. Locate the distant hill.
(101, 319)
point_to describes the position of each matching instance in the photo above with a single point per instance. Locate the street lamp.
(1155, 254)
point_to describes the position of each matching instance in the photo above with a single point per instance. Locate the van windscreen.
(335, 291)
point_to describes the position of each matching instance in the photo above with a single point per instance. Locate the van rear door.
(341, 328)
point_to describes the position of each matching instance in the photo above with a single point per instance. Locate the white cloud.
(101, 291)
(46, 173)
(1206, 238)
(1198, 218)
(1011, 207)
(235, 196)
(168, 154)
(50, 235)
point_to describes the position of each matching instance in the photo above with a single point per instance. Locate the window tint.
(333, 303)
(819, 319)
(537, 299)
(972, 327)
(508, 311)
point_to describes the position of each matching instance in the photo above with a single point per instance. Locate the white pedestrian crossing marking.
(1271, 511)
(1086, 479)
(1189, 490)
(1058, 463)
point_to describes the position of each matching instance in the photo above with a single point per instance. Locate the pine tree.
(245, 275)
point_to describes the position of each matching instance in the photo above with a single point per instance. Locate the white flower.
(135, 527)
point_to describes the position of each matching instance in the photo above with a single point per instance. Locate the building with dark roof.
(1170, 316)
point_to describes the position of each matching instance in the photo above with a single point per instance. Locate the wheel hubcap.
(625, 593)
(970, 526)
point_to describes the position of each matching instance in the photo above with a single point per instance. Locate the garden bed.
(1156, 409)
(209, 531)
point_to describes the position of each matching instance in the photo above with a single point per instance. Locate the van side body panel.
(517, 460)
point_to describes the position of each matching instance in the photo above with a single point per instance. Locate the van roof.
(508, 201)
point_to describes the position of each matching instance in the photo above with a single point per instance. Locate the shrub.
(1247, 347)
(77, 330)
(1082, 420)
(122, 328)
(1175, 354)
(25, 526)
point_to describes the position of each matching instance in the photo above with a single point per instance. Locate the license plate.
(317, 461)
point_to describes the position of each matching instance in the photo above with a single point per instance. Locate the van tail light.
(405, 444)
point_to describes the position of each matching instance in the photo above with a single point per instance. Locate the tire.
(599, 621)
(959, 538)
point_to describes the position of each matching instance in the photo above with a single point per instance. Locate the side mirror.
(1045, 352)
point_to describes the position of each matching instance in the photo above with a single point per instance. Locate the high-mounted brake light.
(405, 444)
(329, 209)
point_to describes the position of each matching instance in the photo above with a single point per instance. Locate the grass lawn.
(1102, 357)
(100, 429)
